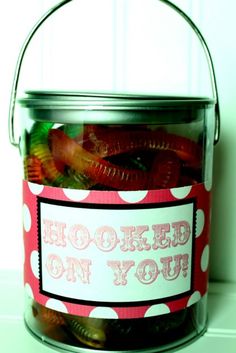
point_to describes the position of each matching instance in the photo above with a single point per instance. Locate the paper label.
(116, 254)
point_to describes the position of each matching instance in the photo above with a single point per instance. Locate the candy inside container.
(127, 158)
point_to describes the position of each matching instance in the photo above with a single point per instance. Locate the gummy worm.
(72, 130)
(33, 169)
(165, 169)
(52, 317)
(48, 316)
(86, 332)
(40, 149)
(98, 169)
(106, 144)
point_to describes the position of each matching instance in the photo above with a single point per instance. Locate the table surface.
(220, 336)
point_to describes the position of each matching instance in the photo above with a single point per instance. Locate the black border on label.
(124, 207)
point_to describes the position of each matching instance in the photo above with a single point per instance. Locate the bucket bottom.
(86, 335)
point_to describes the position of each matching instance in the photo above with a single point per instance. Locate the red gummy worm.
(165, 170)
(47, 316)
(106, 144)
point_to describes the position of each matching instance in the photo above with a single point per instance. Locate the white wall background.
(215, 19)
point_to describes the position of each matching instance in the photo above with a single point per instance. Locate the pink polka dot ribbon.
(111, 254)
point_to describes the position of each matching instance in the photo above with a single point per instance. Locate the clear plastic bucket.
(119, 203)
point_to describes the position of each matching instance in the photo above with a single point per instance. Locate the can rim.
(107, 100)
(111, 108)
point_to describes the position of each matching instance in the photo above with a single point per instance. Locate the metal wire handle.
(11, 125)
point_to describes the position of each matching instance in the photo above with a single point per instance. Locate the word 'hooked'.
(107, 238)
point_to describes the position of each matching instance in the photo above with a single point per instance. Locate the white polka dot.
(29, 291)
(157, 309)
(195, 297)
(36, 189)
(76, 195)
(103, 313)
(205, 258)
(26, 218)
(56, 305)
(200, 222)
(34, 263)
(181, 193)
(132, 196)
